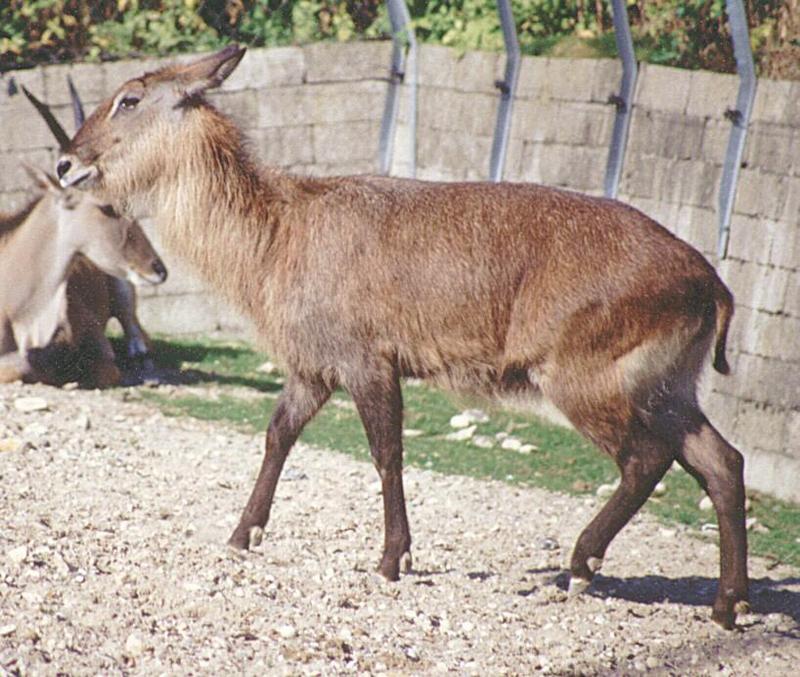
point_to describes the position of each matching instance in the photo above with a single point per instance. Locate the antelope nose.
(160, 269)
(62, 168)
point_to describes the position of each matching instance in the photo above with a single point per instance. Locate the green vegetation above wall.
(686, 33)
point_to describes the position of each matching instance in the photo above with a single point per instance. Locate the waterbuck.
(53, 307)
(360, 281)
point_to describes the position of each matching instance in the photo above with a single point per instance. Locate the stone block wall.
(317, 110)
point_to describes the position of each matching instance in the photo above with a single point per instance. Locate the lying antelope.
(82, 352)
(359, 281)
(53, 313)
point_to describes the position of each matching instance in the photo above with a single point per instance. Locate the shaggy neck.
(217, 210)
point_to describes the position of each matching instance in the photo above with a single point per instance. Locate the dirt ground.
(113, 521)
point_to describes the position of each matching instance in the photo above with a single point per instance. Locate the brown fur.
(361, 280)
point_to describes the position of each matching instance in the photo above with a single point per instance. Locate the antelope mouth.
(82, 177)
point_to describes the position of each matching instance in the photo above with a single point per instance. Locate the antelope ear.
(44, 180)
(210, 71)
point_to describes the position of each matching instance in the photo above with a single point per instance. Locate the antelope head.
(115, 244)
(125, 144)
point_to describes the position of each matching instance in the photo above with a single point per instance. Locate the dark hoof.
(240, 540)
(390, 567)
(724, 613)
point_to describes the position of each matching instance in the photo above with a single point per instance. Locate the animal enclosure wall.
(317, 109)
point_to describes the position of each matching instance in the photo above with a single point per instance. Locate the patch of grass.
(563, 461)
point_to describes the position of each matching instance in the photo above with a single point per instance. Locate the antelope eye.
(108, 210)
(129, 103)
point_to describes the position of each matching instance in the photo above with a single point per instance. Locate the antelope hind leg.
(643, 460)
(719, 469)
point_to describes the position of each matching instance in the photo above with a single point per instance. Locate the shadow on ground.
(767, 595)
(168, 366)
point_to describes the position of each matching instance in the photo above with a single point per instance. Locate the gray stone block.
(663, 88)
(771, 102)
(445, 68)
(770, 148)
(607, 80)
(89, 80)
(711, 94)
(533, 80)
(32, 78)
(751, 238)
(27, 130)
(785, 249)
(575, 167)
(580, 124)
(285, 106)
(242, 106)
(476, 72)
(773, 336)
(667, 135)
(761, 194)
(715, 141)
(760, 426)
(343, 168)
(773, 473)
(698, 183)
(571, 79)
(346, 102)
(284, 146)
(179, 314)
(698, 227)
(119, 72)
(643, 135)
(13, 176)
(762, 287)
(437, 67)
(530, 120)
(475, 114)
(268, 68)
(771, 381)
(438, 109)
(791, 305)
(345, 142)
(336, 62)
(639, 177)
(449, 155)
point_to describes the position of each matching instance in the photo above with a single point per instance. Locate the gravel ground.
(112, 560)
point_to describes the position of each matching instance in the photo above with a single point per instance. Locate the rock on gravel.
(125, 568)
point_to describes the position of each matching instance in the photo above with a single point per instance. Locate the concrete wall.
(317, 109)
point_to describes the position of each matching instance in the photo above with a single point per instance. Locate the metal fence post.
(402, 34)
(739, 117)
(507, 87)
(623, 101)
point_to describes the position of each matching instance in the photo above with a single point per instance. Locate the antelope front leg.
(299, 401)
(380, 406)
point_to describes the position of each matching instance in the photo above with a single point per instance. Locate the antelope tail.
(724, 302)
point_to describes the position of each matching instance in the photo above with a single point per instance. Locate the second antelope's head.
(129, 139)
(87, 225)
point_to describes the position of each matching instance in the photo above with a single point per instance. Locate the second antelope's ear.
(210, 71)
(44, 180)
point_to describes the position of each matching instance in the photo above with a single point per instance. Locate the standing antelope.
(359, 281)
(41, 281)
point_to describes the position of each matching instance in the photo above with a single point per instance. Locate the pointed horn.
(49, 118)
(77, 106)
